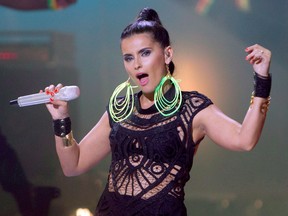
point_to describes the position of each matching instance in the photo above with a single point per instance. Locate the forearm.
(254, 120)
(253, 123)
(75, 158)
(66, 146)
(68, 155)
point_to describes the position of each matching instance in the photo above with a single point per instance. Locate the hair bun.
(148, 14)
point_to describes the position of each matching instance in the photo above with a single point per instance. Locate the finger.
(47, 90)
(255, 54)
(251, 48)
(58, 103)
(58, 87)
(254, 48)
(50, 89)
(256, 60)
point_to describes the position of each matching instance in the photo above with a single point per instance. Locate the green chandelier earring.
(164, 106)
(121, 108)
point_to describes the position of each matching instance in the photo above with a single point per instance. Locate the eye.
(127, 58)
(146, 53)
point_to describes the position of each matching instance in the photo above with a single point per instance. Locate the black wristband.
(262, 85)
(62, 127)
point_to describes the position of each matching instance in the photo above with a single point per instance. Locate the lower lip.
(144, 81)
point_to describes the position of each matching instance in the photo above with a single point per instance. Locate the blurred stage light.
(258, 204)
(83, 212)
(243, 5)
(203, 6)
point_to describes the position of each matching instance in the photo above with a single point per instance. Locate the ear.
(168, 52)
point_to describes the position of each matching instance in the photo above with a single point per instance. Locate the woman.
(154, 134)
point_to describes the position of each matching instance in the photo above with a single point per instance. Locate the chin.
(147, 91)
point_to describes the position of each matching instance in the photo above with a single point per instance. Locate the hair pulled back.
(148, 21)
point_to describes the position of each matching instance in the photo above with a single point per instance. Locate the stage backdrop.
(209, 40)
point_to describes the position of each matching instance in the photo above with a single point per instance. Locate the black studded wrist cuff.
(262, 85)
(62, 127)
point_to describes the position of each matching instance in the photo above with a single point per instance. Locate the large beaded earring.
(121, 107)
(164, 106)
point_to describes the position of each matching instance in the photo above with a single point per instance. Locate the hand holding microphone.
(66, 93)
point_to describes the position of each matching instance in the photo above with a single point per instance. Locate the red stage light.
(7, 56)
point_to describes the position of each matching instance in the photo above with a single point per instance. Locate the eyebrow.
(144, 49)
(127, 55)
(139, 52)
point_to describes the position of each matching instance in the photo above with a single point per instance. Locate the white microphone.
(66, 93)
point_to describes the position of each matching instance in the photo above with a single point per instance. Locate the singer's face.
(144, 61)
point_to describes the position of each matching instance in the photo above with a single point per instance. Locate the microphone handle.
(33, 99)
(66, 93)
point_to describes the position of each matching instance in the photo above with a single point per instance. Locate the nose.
(137, 64)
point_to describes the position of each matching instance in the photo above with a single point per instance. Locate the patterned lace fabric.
(151, 159)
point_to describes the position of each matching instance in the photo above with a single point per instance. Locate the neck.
(147, 100)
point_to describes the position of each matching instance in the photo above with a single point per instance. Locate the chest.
(163, 141)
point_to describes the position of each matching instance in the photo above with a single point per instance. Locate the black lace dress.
(151, 159)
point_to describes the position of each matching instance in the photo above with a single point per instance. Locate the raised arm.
(77, 158)
(228, 133)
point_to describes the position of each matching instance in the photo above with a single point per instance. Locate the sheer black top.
(151, 159)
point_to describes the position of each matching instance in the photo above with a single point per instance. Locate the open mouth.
(141, 76)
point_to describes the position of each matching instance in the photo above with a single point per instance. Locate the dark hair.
(148, 21)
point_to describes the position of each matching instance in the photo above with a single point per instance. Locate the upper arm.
(221, 129)
(95, 145)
